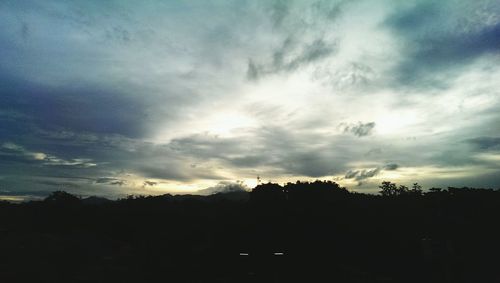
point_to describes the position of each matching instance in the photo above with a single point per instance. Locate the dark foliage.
(299, 232)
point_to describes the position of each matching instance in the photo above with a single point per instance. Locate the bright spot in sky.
(225, 124)
(395, 123)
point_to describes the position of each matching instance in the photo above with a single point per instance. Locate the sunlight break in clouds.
(129, 97)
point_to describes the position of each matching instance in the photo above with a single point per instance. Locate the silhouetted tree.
(268, 192)
(435, 190)
(402, 190)
(388, 188)
(282, 237)
(62, 198)
(314, 191)
(416, 189)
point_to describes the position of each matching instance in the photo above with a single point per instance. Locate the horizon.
(229, 188)
(130, 98)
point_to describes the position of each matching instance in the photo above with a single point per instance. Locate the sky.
(112, 98)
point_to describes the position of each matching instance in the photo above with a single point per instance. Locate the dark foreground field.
(303, 232)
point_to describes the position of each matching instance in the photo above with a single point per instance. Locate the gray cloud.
(360, 129)
(438, 38)
(225, 187)
(149, 183)
(63, 185)
(111, 181)
(486, 143)
(356, 75)
(360, 175)
(280, 9)
(391, 166)
(290, 56)
(270, 147)
(19, 152)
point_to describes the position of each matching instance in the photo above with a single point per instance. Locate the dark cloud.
(17, 152)
(111, 181)
(360, 129)
(253, 71)
(309, 163)
(149, 183)
(486, 143)
(360, 175)
(351, 174)
(76, 108)
(118, 33)
(374, 152)
(271, 147)
(364, 174)
(391, 166)
(279, 11)
(25, 30)
(62, 185)
(104, 180)
(433, 45)
(316, 50)
(247, 161)
(206, 146)
(331, 9)
(284, 13)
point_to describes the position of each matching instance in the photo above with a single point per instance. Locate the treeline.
(296, 232)
(299, 191)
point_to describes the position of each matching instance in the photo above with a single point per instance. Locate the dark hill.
(299, 232)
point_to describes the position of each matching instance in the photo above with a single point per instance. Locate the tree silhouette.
(416, 189)
(62, 198)
(283, 231)
(402, 190)
(388, 189)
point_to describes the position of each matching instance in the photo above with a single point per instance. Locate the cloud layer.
(126, 97)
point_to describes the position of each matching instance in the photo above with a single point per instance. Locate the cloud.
(149, 184)
(280, 9)
(362, 174)
(64, 185)
(273, 148)
(111, 181)
(225, 187)
(391, 166)
(439, 37)
(11, 149)
(291, 56)
(355, 75)
(486, 143)
(17, 151)
(360, 129)
(78, 109)
(351, 174)
(77, 162)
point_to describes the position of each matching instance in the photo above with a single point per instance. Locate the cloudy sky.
(147, 97)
